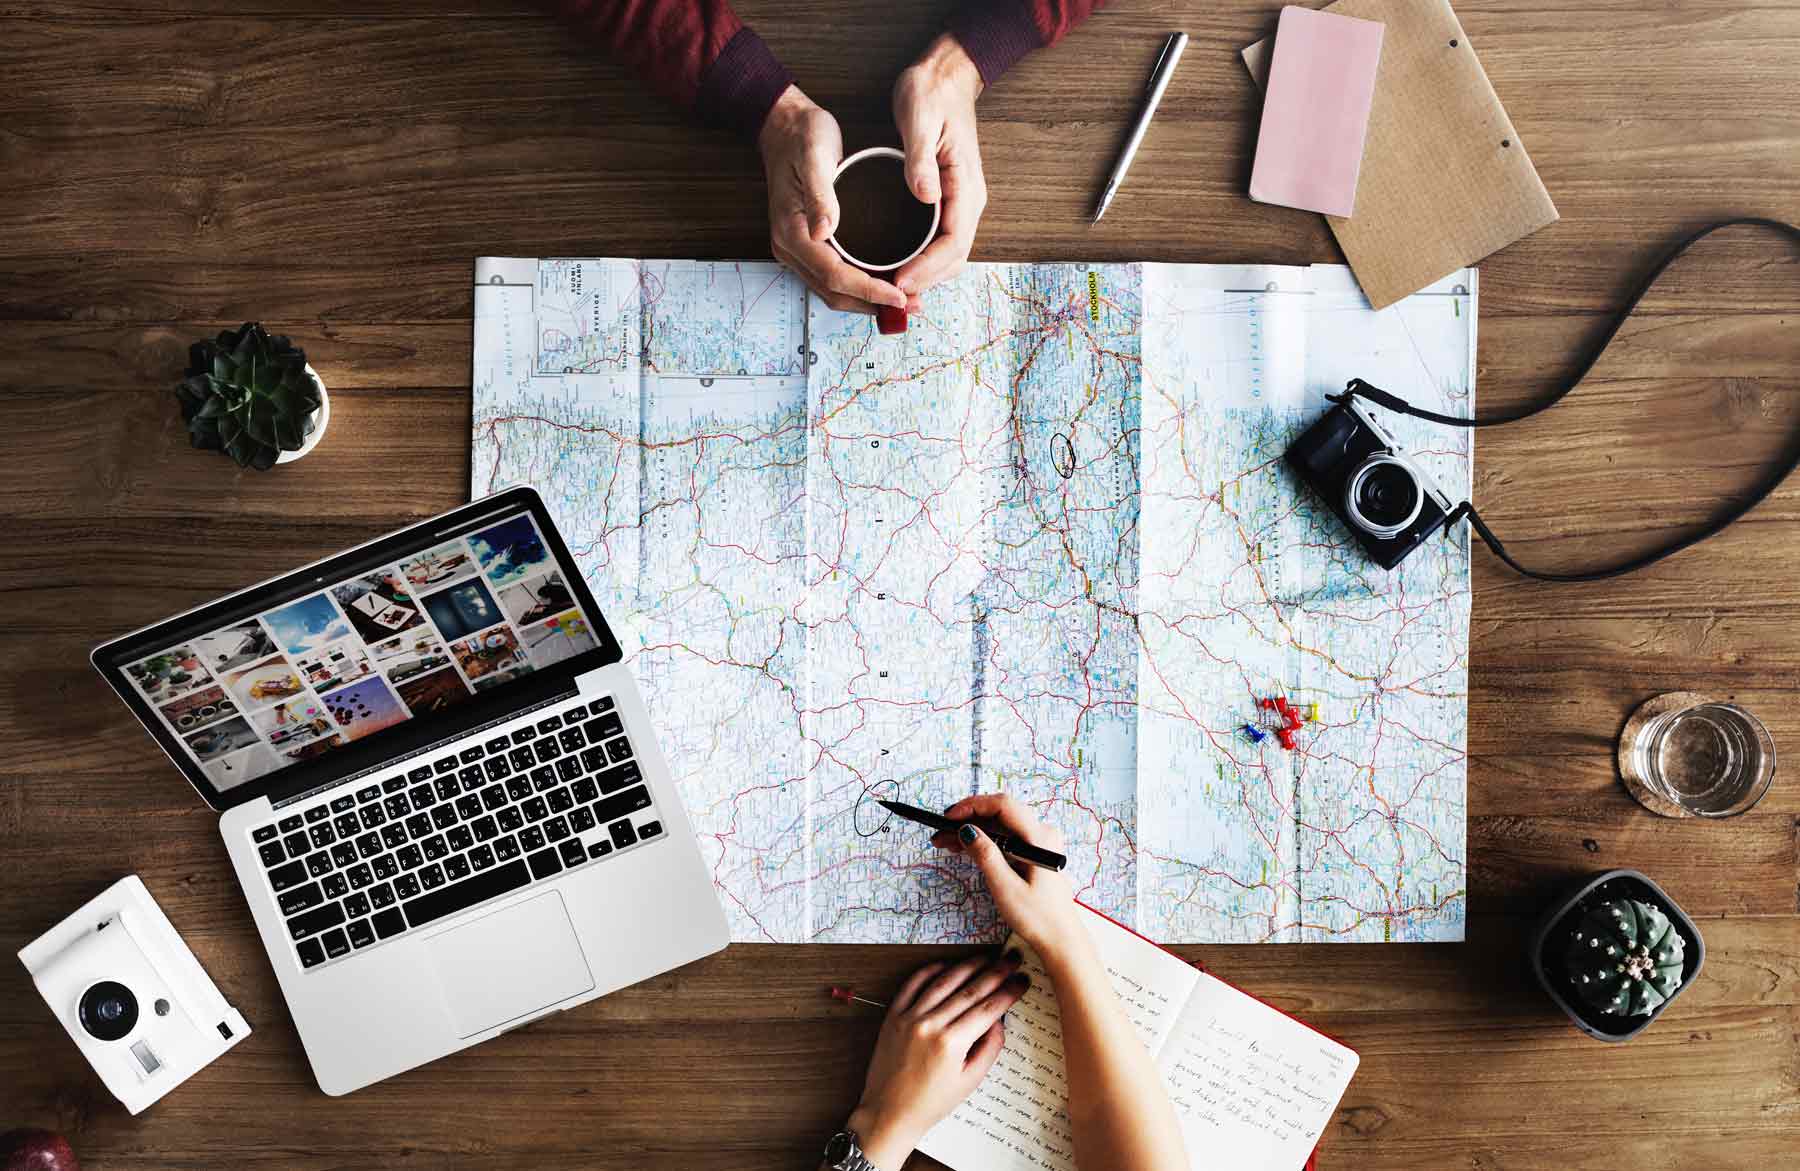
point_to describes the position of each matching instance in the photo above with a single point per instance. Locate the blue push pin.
(1256, 734)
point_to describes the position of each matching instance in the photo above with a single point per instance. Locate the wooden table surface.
(168, 167)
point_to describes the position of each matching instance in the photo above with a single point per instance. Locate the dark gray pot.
(1550, 928)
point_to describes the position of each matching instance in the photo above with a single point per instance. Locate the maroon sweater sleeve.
(996, 33)
(696, 53)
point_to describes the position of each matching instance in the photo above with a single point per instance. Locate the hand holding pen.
(1035, 901)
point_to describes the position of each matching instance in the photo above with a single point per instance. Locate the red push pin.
(849, 996)
(890, 319)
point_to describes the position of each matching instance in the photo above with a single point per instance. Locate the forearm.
(997, 33)
(1119, 1111)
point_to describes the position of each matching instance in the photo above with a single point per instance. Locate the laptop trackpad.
(509, 964)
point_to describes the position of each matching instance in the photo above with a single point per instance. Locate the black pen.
(1009, 845)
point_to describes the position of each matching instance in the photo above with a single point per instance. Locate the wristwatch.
(843, 1153)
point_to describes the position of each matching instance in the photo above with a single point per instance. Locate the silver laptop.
(440, 788)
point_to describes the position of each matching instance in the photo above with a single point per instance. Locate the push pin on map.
(1256, 734)
(1291, 719)
(849, 996)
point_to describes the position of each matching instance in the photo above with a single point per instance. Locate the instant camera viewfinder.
(1384, 498)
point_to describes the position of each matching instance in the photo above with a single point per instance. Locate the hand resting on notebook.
(945, 1026)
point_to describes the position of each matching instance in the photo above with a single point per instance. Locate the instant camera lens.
(1384, 496)
(108, 1010)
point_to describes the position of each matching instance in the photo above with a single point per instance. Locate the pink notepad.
(1316, 111)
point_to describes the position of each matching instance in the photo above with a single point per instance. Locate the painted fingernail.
(968, 835)
(1012, 956)
(1019, 980)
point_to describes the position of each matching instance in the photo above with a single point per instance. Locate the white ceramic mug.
(877, 152)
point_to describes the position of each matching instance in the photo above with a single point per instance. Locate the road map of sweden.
(1043, 542)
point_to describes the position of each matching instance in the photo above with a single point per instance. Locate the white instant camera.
(131, 994)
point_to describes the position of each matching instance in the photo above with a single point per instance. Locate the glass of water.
(1701, 756)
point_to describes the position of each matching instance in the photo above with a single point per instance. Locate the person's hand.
(934, 107)
(1039, 904)
(942, 1034)
(801, 148)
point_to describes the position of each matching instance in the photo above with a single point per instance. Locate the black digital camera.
(1386, 500)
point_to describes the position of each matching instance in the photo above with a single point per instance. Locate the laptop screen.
(348, 652)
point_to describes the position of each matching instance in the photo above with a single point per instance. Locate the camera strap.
(1779, 472)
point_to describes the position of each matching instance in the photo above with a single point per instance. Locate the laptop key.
(311, 954)
(497, 744)
(556, 829)
(297, 845)
(605, 728)
(544, 863)
(531, 838)
(409, 857)
(585, 790)
(481, 857)
(622, 833)
(522, 735)
(614, 779)
(594, 759)
(431, 877)
(444, 764)
(535, 809)
(317, 813)
(561, 801)
(360, 876)
(460, 838)
(389, 923)
(469, 806)
(549, 724)
(421, 773)
(343, 854)
(510, 818)
(381, 895)
(619, 750)
(263, 833)
(649, 829)
(457, 867)
(372, 816)
(283, 877)
(406, 886)
(621, 804)
(493, 797)
(335, 944)
(483, 828)
(346, 825)
(547, 749)
(506, 847)
(522, 758)
(364, 796)
(393, 836)
(318, 865)
(368, 845)
(472, 778)
(322, 835)
(603, 704)
(445, 816)
(434, 847)
(357, 905)
(572, 714)
(361, 934)
(310, 923)
(300, 898)
(571, 738)
(291, 823)
(497, 768)
(581, 820)
(599, 849)
(447, 787)
(451, 899)
(335, 886)
(396, 806)
(573, 853)
(393, 784)
(271, 854)
(385, 866)
(419, 825)
(343, 804)
(472, 754)
(422, 797)
(567, 769)
(518, 788)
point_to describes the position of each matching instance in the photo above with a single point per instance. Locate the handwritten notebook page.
(1253, 1089)
(1251, 1086)
(1018, 1118)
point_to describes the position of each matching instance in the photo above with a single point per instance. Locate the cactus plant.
(248, 395)
(1624, 958)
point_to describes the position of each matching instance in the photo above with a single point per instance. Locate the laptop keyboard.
(389, 856)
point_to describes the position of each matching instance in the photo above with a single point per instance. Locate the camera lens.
(1384, 496)
(108, 1010)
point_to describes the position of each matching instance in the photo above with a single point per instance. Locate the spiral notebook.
(1253, 1088)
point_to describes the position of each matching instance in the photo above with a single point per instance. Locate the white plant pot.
(321, 417)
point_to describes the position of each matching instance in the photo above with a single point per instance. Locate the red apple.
(36, 1150)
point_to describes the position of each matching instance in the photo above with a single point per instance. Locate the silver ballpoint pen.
(1159, 81)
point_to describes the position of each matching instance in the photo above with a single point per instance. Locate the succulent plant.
(248, 395)
(1625, 958)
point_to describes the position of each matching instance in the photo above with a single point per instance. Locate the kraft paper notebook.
(1253, 1087)
(1445, 180)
